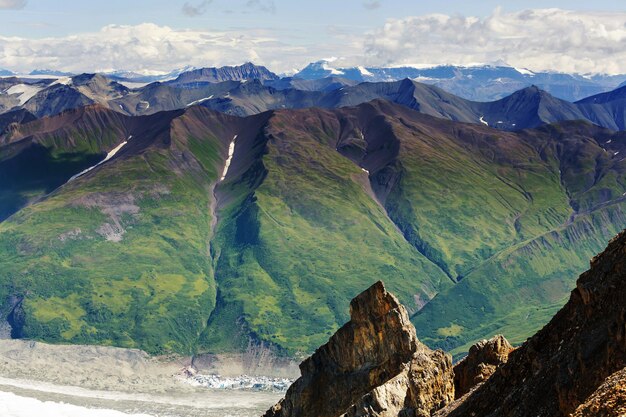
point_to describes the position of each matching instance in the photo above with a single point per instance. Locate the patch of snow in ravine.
(482, 120)
(202, 100)
(231, 152)
(109, 156)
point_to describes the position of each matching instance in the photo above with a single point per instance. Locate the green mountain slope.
(119, 255)
(477, 230)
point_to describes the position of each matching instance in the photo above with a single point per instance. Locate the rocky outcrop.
(607, 401)
(373, 366)
(559, 368)
(481, 362)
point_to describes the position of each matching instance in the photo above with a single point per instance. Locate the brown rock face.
(481, 362)
(563, 364)
(373, 366)
(607, 401)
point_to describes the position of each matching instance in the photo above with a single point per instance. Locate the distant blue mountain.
(479, 83)
(51, 73)
(5, 73)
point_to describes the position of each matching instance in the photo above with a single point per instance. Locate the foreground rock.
(481, 362)
(559, 368)
(373, 366)
(607, 401)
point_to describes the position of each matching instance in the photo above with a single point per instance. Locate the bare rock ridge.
(565, 363)
(607, 401)
(373, 366)
(481, 362)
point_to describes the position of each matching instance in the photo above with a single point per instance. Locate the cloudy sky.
(160, 35)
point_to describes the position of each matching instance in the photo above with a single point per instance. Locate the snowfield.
(12, 405)
(26, 92)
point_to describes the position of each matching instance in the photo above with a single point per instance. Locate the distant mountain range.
(481, 83)
(249, 90)
(478, 83)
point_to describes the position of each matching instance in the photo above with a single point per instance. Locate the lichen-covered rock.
(607, 401)
(373, 366)
(481, 362)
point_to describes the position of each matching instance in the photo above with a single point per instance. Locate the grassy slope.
(465, 193)
(33, 165)
(308, 239)
(153, 289)
(517, 290)
(300, 231)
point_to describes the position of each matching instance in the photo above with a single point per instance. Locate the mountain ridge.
(371, 176)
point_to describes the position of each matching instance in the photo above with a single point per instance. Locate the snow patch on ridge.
(333, 71)
(25, 91)
(231, 152)
(524, 71)
(482, 120)
(365, 72)
(109, 156)
(62, 81)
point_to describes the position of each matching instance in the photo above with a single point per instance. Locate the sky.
(153, 36)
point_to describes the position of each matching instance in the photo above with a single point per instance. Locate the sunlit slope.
(477, 230)
(120, 255)
(516, 291)
(300, 233)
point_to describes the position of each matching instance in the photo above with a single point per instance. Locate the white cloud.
(12, 4)
(149, 47)
(539, 39)
(535, 39)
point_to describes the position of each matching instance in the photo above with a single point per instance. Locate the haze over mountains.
(229, 207)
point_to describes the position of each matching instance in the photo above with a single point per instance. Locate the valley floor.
(90, 381)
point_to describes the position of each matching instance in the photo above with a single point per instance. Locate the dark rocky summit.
(373, 365)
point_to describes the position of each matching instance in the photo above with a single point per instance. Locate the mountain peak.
(247, 71)
(374, 357)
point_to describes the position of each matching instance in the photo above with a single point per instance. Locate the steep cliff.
(373, 366)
